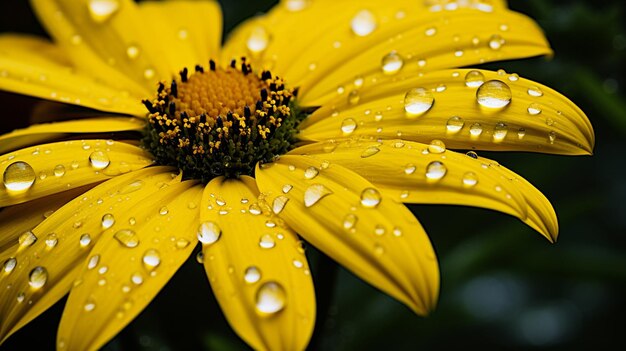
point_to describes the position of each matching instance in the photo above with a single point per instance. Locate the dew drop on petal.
(270, 298)
(51, 240)
(494, 94)
(38, 277)
(59, 171)
(127, 238)
(287, 188)
(410, 168)
(26, 239)
(521, 133)
(476, 130)
(348, 126)
(252, 275)
(436, 170)
(470, 179)
(354, 97)
(108, 220)
(552, 137)
(182, 243)
(417, 101)
(496, 42)
(133, 52)
(99, 160)
(370, 198)
(258, 40)
(363, 23)
(136, 278)
(472, 154)
(379, 230)
(267, 242)
(18, 177)
(93, 261)
(315, 193)
(296, 5)
(349, 221)
(9, 265)
(151, 259)
(500, 131)
(392, 63)
(311, 172)
(534, 109)
(101, 10)
(279, 204)
(84, 240)
(474, 79)
(535, 91)
(436, 147)
(209, 232)
(455, 124)
(89, 306)
(370, 151)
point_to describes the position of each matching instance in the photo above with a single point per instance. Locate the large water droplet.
(392, 63)
(314, 193)
(363, 23)
(267, 242)
(494, 94)
(370, 198)
(455, 124)
(348, 126)
(279, 204)
(476, 130)
(252, 275)
(270, 298)
(59, 171)
(151, 259)
(474, 79)
(311, 172)
(18, 177)
(26, 239)
(470, 179)
(127, 238)
(209, 232)
(101, 10)
(418, 101)
(9, 265)
(436, 170)
(99, 160)
(258, 40)
(38, 277)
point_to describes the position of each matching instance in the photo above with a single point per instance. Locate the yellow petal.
(191, 29)
(36, 67)
(358, 35)
(408, 172)
(537, 118)
(348, 219)
(18, 219)
(107, 38)
(76, 227)
(256, 267)
(140, 255)
(47, 169)
(39, 133)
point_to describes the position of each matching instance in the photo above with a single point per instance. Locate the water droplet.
(354, 97)
(494, 94)
(535, 91)
(200, 257)
(392, 63)
(397, 232)
(314, 193)
(287, 188)
(349, 221)
(418, 101)
(90, 305)
(258, 40)
(101, 10)
(99, 160)
(85, 240)
(470, 179)
(151, 259)
(93, 261)
(298, 263)
(38, 277)
(549, 121)
(379, 249)
(514, 77)
(358, 82)
(127, 238)
(164, 210)
(455, 124)
(296, 5)
(133, 52)
(476, 130)
(252, 275)
(472, 154)
(209, 232)
(270, 298)
(103, 270)
(551, 137)
(131, 187)
(429, 32)
(474, 79)
(254, 209)
(436, 170)
(370, 151)
(521, 133)
(52, 240)
(436, 147)
(279, 203)
(20, 297)
(348, 126)
(149, 73)
(500, 131)
(363, 23)
(370, 198)
(136, 278)
(379, 230)
(311, 172)
(59, 171)
(410, 168)
(9, 265)
(26, 239)
(108, 221)
(182, 243)
(18, 177)
(496, 42)
(534, 109)
(267, 242)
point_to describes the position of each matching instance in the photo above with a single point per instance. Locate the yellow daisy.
(317, 120)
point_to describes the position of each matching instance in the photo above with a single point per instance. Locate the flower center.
(221, 121)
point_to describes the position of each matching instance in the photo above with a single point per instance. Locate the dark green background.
(503, 286)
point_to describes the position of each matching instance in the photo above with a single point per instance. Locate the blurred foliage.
(503, 286)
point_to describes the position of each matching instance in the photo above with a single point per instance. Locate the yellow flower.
(358, 123)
